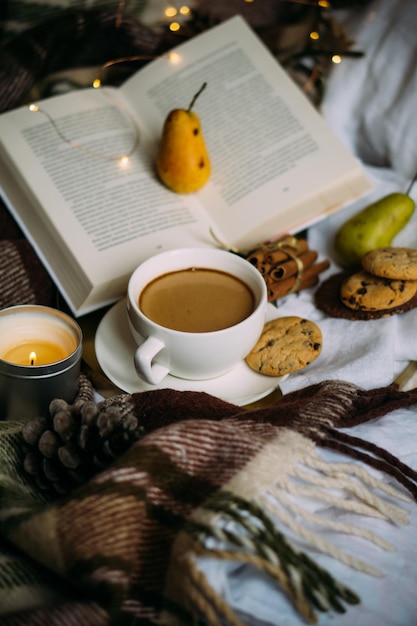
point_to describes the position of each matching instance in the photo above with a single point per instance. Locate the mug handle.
(152, 373)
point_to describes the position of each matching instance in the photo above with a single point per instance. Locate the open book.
(276, 166)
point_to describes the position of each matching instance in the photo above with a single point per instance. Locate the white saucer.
(115, 348)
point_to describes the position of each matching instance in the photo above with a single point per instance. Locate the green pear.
(373, 227)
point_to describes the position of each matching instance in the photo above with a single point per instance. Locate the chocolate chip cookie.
(395, 263)
(287, 344)
(364, 291)
(327, 299)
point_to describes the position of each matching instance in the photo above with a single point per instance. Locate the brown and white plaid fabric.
(123, 548)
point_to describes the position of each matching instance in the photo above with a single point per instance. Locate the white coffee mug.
(193, 355)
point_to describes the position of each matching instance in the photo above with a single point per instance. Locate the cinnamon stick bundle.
(287, 265)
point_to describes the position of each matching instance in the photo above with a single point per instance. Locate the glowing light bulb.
(96, 83)
(174, 57)
(174, 26)
(33, 107)
(170, 11)
(323, 3)
(184, 10)
(124, 161)
(336, 58)
(314, 35)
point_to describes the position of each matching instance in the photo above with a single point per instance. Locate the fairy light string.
(122, 159)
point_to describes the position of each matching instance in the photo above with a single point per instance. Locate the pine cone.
(75, 442)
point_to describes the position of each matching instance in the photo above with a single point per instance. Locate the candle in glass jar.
(40, 356)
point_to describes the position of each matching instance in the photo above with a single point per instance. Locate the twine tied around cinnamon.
(287, 265)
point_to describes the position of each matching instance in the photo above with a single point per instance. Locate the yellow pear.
(183, 162)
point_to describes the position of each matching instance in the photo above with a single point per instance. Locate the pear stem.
(411, 184)
(203, 86)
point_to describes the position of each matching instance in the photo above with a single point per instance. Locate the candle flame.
(32, 358)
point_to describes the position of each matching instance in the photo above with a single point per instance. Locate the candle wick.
(32, 361)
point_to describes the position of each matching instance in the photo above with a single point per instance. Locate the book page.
(99, 207)
(270, 149)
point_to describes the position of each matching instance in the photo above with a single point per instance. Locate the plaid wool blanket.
(154, 481)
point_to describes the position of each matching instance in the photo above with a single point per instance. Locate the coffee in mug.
(194, 313)
(197, 300)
